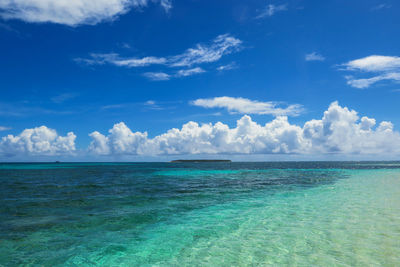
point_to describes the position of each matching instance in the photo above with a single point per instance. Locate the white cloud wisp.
(200, 54)
(365, 83)
(229, 66)
(222, 45)
(384, 68)
(270, 10)
(314, 56)
(115, 59)
(189, 72)
(4, 128)
(157, 76)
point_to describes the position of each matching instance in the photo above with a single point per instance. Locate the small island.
(200, 160)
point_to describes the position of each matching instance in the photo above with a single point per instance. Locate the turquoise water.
(209, 214)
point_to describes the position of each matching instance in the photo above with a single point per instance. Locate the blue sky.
(156, 65)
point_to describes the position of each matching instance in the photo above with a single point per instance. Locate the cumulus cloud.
(37, 141)
(121, 140)
(247, 106)
(270, 10)
(314, 56)
(340, 130)
(192, 138)
(381, 67)
(71, 12)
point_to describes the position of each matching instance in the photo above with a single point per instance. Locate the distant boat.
(57, 161)
(199, 160)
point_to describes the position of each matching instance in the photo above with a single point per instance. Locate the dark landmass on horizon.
(199, 160)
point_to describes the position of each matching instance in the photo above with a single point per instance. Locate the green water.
(215, 215)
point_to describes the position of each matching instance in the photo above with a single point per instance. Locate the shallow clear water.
(213, 214)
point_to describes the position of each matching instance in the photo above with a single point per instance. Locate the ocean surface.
(200, 214)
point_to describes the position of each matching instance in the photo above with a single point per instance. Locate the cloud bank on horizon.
(340, 130)
(71, 13)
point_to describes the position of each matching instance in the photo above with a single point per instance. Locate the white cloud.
(192, 138)
(339, 131)
(270, 10)
(37, 141)
(157, 76)
(121, 140)
(189, 72)
(367, 123)
(70, 12)
(113, 106)
(229, 66)
(63, 97)
(381, 6)
(99, 144)
(4, 128)
(314, 56)
(384, 67)
(365, 83)
(162, 76)
(166, 4)
(115, 59)
(152, 105)
(201, 53)
(374, 63)
(247, 106)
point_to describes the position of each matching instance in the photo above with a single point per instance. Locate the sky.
(155, 80)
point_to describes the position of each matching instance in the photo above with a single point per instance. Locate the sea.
(200, 214)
